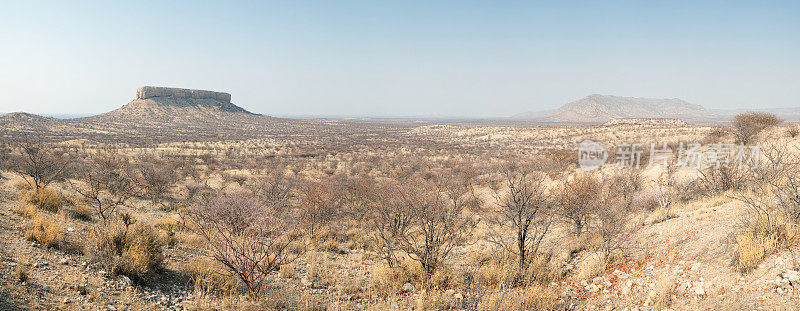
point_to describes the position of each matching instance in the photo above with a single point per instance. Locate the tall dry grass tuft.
(753, 245)
(45, 231)
(126, 248)
(45, 198)
(210, 278)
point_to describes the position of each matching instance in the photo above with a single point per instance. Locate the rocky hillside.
(602, 108)
(160, 105)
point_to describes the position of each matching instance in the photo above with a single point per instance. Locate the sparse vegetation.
(249, 237)
(747, 125)
(46, 231)
(400, 224)
(127, 247)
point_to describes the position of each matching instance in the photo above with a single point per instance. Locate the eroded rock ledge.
(146, 92)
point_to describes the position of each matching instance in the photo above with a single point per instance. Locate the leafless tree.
(40, 163)
(525, 205)
(577, 200)
(773, 192)
(437, 223)
(611, 225)
(157, 177)
(249, 236)
(626, 183)
(276, 186)
(319, 205)
(746, 126)
(106, 182)
(390, 219)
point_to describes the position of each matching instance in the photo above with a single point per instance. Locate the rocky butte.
(147, 92)
(161, 98)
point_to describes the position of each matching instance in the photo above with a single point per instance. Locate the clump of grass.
(534, 297)
(753, 246)
(46, 199)
(26, 210)
(82, 212)
(288, 271)
(390, 280)
(597, 263)
(209, 278)
(663, 291)
(45, 231)
(20, 273)
(128, 249)
(660, 215)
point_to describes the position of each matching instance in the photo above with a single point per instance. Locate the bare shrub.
(663, 193)
(723, 177)
(747, 126)
(525, 207)
(437, 223)
(576, 198)
(793, 131)
(714, 136)
(276, 187)
(156, 178)
(250, 237)
(390, 221)
(106, 182)
(773, 202)
(127, 247)
(319, 205)
(40, 163)
(625, 184)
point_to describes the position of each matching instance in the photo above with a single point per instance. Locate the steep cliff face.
(157, 100)
(146, 92)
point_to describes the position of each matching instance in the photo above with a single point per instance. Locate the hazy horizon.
(368, 59)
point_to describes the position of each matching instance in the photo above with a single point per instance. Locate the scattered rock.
(408, 288)
(792, 276)
(698, 289)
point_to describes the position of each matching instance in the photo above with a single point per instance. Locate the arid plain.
(181, 200)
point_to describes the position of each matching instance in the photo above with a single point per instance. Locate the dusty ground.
(692, 253)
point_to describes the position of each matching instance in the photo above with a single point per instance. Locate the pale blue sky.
(398, 58)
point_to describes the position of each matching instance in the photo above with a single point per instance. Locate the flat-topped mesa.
(146, 92)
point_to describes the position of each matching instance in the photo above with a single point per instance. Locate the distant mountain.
(597, 109)
(601, 108)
